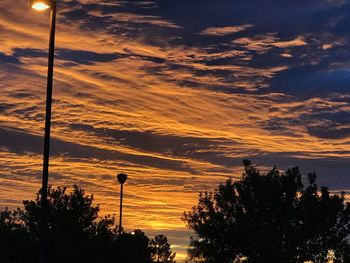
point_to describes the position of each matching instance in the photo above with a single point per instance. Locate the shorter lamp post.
(121, 179)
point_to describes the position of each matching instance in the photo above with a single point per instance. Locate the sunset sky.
(175, 93)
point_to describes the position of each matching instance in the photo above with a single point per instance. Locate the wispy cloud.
(222, 31)
(264, 43)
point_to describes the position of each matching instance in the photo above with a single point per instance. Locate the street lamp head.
(40, 5)
(122, 178)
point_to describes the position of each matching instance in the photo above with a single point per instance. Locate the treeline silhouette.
(76, 234)
(270, 218)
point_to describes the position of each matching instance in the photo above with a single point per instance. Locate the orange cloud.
(222, 31)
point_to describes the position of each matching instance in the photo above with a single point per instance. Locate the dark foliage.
(76, 233)
(270, 218)
(160, 250)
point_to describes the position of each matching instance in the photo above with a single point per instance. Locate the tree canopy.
(270, 217)
(161, 251)
(76, 233)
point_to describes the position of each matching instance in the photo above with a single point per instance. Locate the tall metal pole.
(43, 228)
(121, 179)
(121, 209)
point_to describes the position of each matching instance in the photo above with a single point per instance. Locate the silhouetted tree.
(73, 225)
(13, 238)
(134, 247)
(76, 233)
(161, 251)
(269, 217)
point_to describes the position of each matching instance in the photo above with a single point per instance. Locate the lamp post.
(121, 179)
(43, 227)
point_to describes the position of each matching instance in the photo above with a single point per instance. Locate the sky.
(175, 93)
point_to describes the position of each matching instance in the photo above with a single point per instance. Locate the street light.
(121, 179)
(43, 227)
(40, 4)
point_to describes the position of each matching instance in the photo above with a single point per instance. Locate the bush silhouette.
(269, 217)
